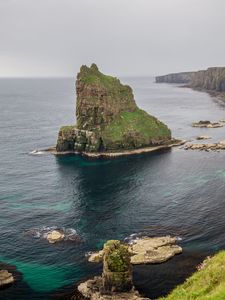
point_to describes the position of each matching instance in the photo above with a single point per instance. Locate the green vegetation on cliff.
(134, 130)
(206, 284)
(108, 118)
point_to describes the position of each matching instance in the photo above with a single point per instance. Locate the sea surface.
(174, 192)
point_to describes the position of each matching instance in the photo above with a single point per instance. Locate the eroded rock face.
(117, 270)
(100, 98)
(108, 118)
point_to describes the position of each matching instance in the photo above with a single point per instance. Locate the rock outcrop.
(212, 79)
(108, 118)
(116, 282)
(147, 250)
(207, 124)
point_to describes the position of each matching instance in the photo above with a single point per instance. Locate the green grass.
(206, 284)
(139, 124)
(67, 128)
(93, 76)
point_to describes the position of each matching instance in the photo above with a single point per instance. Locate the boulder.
(5, 278)
(55, 236)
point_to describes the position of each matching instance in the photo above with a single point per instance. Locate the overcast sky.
(124, 37)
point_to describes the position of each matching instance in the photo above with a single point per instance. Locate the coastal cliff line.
(109, 120)
(212, 79)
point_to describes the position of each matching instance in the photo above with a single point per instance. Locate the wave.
(36, 152)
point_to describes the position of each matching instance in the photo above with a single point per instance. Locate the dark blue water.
(170, 192)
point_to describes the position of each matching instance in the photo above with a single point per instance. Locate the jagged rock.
(91, 289)
(5, 278)
(55, 236)
(147, 250)
(108, 118)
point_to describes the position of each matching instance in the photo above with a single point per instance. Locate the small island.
(109, 123)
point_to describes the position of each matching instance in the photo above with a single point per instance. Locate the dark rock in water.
(108, 118)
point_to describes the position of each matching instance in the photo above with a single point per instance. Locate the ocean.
(173, 191)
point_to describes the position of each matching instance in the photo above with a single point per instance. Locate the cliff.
(108, 118)
(206, 283)
(212, 79)
(184, 77)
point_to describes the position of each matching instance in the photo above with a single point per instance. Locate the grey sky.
(124, 37)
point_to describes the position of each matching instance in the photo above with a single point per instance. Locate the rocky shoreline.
(116, 154)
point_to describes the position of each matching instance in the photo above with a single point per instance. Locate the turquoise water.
(170, 192)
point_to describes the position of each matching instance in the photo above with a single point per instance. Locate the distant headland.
(211, 80)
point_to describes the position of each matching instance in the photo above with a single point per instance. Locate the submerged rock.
(6, 278)
(108, 118)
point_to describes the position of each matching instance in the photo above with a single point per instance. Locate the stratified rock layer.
(108, 118)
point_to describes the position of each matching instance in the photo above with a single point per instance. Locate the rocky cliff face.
(212, 79)
(108, 118)
(184, 77)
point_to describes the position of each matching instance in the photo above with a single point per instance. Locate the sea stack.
(108, 119)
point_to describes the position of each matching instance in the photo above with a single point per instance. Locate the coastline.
(98, 155)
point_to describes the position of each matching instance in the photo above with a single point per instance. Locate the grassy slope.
(206, 284)
(139, 121)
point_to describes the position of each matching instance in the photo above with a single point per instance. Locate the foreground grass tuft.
(206, 284)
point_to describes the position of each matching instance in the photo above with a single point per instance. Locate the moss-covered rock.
(117, 269)
(108, 118)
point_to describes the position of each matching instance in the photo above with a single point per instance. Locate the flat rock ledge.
(137, 151)
(147, 250)
(206, 147)
(207, 124)
(92, 289)
(6, 278)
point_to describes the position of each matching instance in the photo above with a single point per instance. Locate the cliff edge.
(108, 118)
(212, 79)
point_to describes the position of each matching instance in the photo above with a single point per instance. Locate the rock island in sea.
(109, 123)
